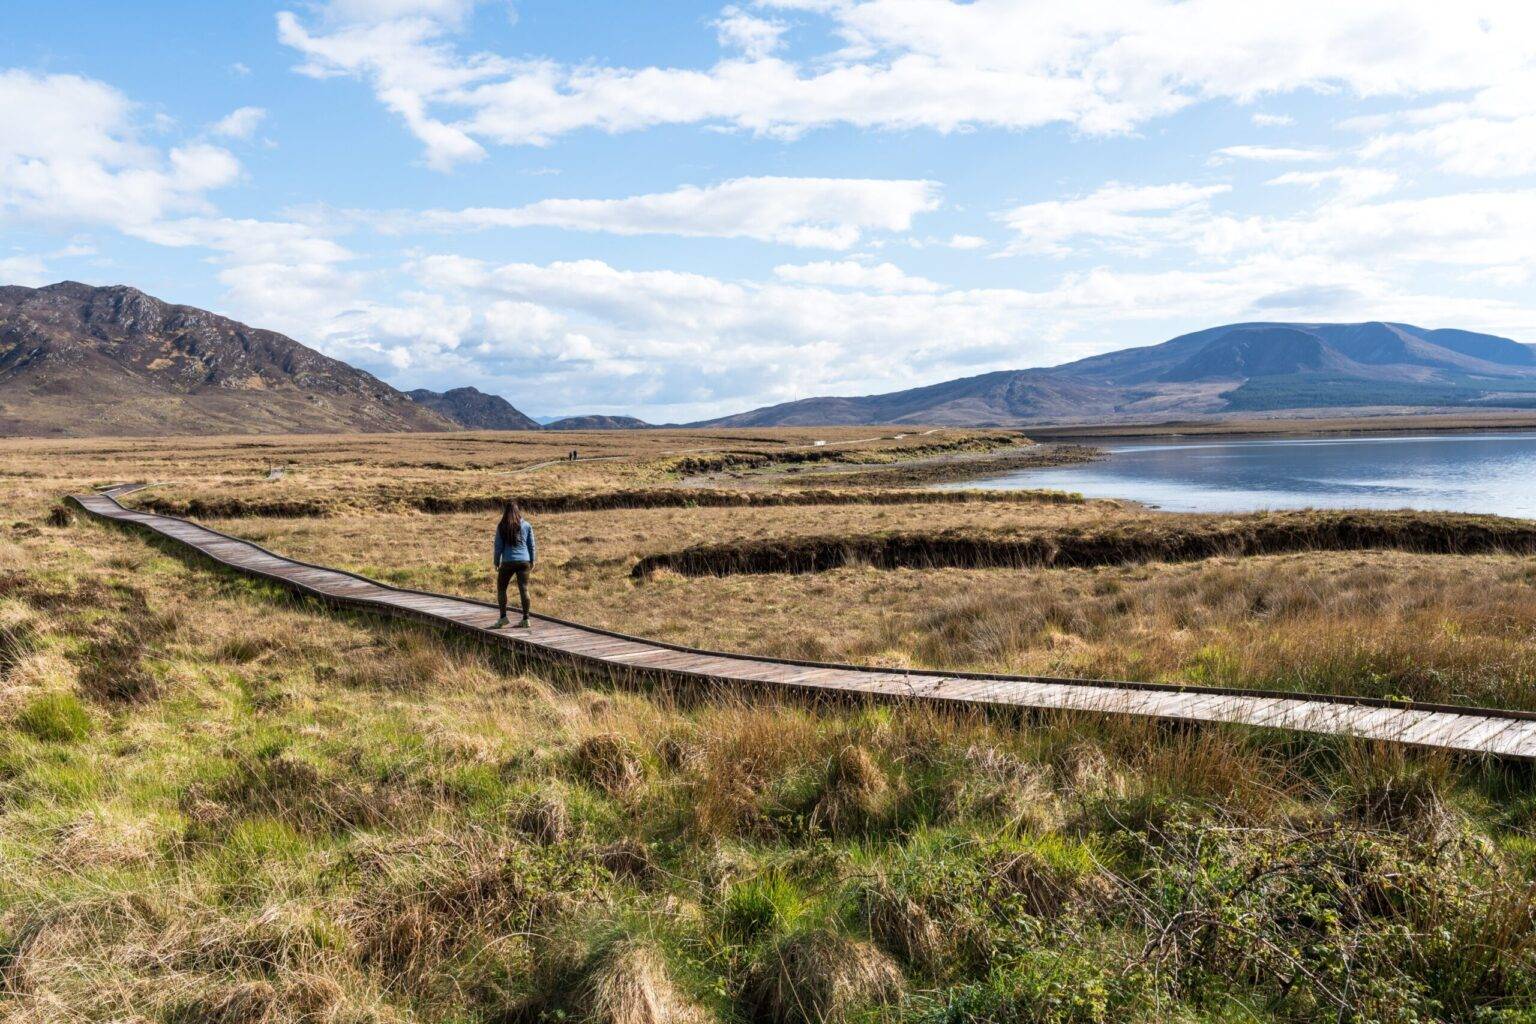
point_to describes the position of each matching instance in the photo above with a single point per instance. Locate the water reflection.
(1493, 472)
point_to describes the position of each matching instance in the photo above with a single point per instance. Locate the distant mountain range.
(80, 360)
(77, 360)
(597, 423)
(473, 409)
(1252, 369)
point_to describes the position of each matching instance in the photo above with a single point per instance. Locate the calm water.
(1493, 472)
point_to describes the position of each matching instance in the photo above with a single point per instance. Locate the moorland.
(222, 803)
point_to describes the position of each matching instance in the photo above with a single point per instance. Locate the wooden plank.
(1492, 733)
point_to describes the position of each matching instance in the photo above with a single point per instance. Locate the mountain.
(77, 360)
(1238, 369)
(474, 409)
(597, 423)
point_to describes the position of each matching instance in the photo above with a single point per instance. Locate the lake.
(1490, 472)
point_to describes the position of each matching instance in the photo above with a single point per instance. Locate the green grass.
(313, 817)
(55, 718)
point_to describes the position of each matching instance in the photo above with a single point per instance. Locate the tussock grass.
(239, 507)
(820, 976)
(315, 817)
(1165, 540)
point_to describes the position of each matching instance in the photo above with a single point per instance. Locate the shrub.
(1043, 988)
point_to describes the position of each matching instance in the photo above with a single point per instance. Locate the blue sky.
(680, 210)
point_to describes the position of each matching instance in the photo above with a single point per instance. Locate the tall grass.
(299, 816)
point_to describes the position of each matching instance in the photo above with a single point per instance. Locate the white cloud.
(1492, 135)
(879, 277)
(72, 154)
(70, 151)
(1351, 182)
(1273, 120)
(239, 124)
(937, 65)
(755, 37)
(1129, 218)
(676, 345)
(1273, 154)
(1471, 229)
(408, 66)
(830, 213)
(966, 242)
(451, 11)
(28, 270)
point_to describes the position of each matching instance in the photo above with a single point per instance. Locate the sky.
(682, 210)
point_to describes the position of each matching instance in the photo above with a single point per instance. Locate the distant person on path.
(514, 557)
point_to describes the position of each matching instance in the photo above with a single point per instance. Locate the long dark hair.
(510, 529)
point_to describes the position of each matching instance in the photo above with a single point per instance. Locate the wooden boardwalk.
(1508, 734)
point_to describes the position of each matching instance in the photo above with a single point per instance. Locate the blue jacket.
(520, 551)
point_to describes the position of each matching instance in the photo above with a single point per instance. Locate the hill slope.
(1236, 369)
(596, 422)
(77, 360)
(474, 409)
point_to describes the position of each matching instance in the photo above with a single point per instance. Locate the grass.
(221, 803)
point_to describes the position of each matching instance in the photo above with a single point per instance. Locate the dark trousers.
(504, 574)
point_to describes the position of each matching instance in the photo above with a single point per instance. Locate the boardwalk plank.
(1503, 734)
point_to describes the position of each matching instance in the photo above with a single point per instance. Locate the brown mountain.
(474, 409)
(77, 360)
(1232, 371)
(596, 422)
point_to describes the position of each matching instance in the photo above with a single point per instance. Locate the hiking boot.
(523, 624)
(501, 623)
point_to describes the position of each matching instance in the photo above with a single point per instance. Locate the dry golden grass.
(223, 804)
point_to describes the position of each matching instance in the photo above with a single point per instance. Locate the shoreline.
(1334, 427)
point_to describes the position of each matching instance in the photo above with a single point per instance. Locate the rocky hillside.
(1236, 370)
(77, 360)
(474, 409)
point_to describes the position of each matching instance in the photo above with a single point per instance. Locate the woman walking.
(514, 557)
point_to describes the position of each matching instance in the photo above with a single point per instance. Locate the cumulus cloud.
(755, 37)
(942, 66)
(239, 124)
(73, 154)
(830, 213)
(679, 345)
(70, 150)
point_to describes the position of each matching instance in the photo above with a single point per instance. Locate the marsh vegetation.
(225, 804)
